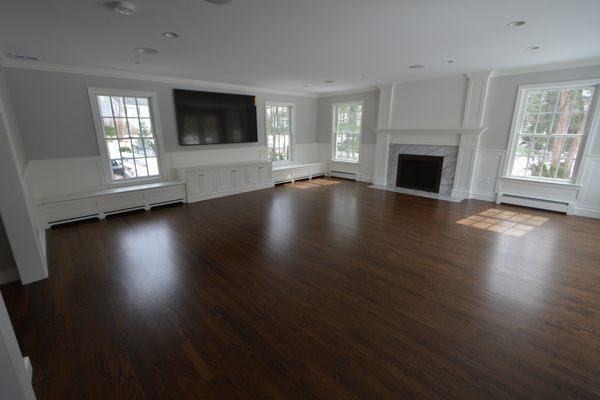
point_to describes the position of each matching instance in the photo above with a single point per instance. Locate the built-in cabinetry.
(98, 204)
(205, 182)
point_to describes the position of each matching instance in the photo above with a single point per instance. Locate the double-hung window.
(278, 121)
(550, 130)
(126, 134)
(347, 127)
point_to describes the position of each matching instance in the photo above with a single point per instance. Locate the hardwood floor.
(315, 291)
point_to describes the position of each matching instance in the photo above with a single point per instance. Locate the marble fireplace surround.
(391, 142)
(450, 154)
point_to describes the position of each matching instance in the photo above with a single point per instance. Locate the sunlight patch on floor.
(311, 184)
(506, 222)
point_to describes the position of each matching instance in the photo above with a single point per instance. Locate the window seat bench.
(295, 171)
(70, 207)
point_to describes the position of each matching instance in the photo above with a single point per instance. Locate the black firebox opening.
(419, 172)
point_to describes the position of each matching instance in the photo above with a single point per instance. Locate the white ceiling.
(284, 44)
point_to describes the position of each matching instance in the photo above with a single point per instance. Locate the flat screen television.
(214, 118)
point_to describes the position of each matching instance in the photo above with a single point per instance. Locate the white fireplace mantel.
(466, 137)
(467, 141)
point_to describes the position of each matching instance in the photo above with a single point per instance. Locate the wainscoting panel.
(488, 167)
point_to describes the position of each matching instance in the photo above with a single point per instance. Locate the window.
(127, 135)
(347, 126)
(550, 132)
(279, 131)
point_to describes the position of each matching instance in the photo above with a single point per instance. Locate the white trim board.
(587, 62)
(174, 80)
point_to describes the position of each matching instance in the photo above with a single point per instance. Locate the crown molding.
(367, 89)
(119, 74)
(588, 62)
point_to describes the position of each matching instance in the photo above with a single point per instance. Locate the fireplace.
(419, 172)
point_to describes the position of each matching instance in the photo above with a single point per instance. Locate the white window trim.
(106, 172)
(589, 135)
(292, 130)
(333, 120)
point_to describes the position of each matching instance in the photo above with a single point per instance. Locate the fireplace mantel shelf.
(432, 131)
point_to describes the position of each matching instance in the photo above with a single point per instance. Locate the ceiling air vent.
(23, 57)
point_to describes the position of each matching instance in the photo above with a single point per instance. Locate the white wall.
(60, 145)
(370, 99)
(25, 235)
(429, 104)
(502, 95)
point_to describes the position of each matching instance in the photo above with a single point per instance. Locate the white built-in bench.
(63, 208)
(292, 172)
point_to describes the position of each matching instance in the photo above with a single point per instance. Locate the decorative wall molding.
(347, 92)
(588, 62)
(113, 73)
(477, 89)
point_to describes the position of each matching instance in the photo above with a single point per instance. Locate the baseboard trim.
(484, 196)
(10, 275)
(228, 192)
(586, 212)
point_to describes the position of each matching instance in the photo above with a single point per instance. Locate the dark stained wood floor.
(327, 292)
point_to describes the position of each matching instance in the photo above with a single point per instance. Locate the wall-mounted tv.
(214, 118)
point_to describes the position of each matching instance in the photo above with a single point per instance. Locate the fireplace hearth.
(419, 172)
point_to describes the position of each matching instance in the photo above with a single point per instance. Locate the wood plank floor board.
(315, 292)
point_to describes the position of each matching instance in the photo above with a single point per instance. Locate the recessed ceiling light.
(515, 24)
(363, 76)
(305, 86)
(170, 35)
(145, 50)
(448, 62)
(533, 48)
(122, 7)
(137, 62)
(219, 1)
(328, 81)
(416, 66)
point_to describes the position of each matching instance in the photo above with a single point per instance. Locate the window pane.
(150, 147)
(347, 125)
(125, 147)
(534, 167)
(113, 149)
(117, 169)
(534, 102)
(278, 124)
(524, 145)
(571, 147)
(549, 101)
(146, 127)
(140, 166)
(554, 146)
(152, 166)
(565, 169)
(143, 108)
(118, 106)
(538, 149)
(121, 125)
(105, 109)
(561, 113)
(129, 168)
(109, 127)
(138, 148)
(134, 127)
(576, 123)
(549, 166)
(529, 123)
(131, 107)
(519, 166)
(544, 123)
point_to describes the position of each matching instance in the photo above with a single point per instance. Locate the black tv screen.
(214, 118)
